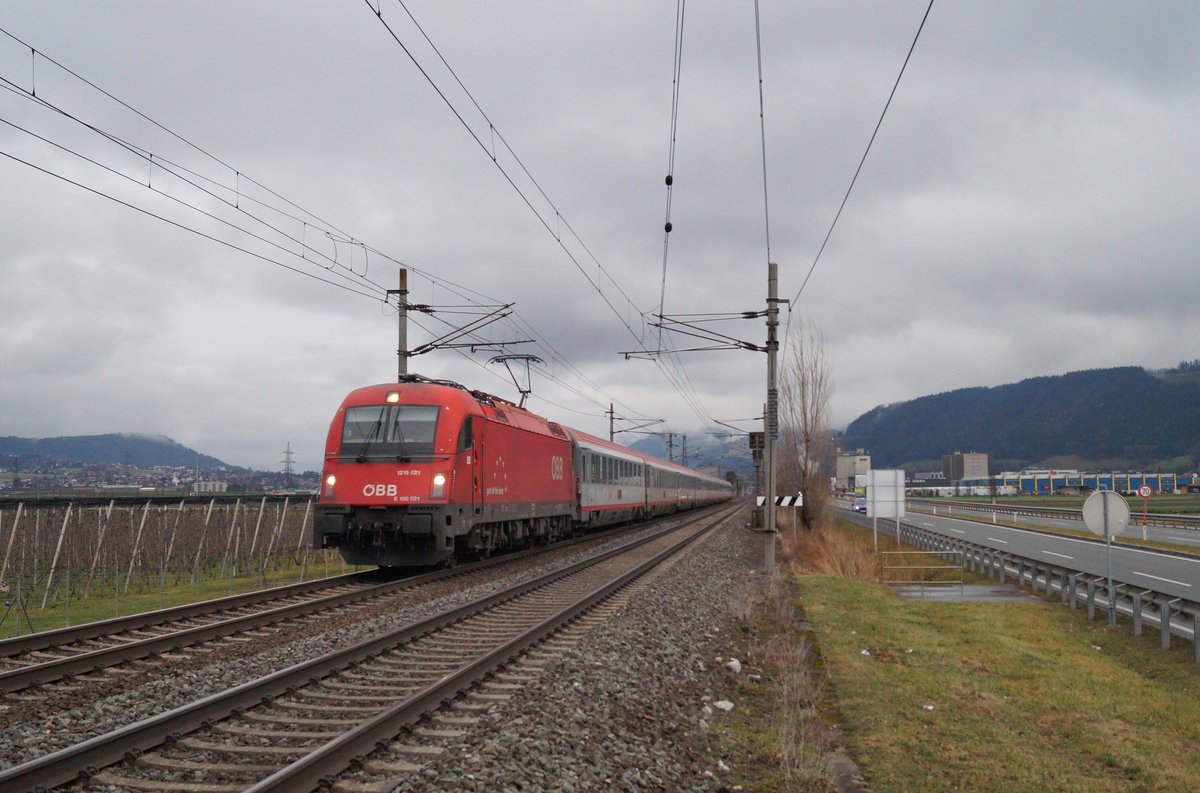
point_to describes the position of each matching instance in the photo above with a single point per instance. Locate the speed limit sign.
(1145, 491)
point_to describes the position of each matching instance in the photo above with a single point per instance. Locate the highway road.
(1165, 534)
(1168, 573)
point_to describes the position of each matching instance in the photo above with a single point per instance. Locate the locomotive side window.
(464, 435)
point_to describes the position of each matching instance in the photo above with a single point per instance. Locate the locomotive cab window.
(389, 430)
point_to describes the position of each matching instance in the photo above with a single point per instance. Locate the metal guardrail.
(1152, 519)
(922, 583)
(1169, 614)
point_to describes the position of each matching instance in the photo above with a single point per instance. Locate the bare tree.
(805, 461)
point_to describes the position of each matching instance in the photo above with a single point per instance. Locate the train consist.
(424, 472)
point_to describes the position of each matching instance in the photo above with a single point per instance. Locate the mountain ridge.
(113, 448)
(1120, 417)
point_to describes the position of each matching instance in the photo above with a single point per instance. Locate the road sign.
(1105, 513)
(1145, 491)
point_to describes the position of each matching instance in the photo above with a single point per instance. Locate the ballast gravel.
(624, 709)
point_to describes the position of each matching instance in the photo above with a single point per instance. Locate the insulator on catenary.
(670, 180)
(668, 227)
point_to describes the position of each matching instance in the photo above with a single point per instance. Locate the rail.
(314, 596)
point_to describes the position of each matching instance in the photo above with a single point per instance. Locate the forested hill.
(137, 450)
(1125, 417)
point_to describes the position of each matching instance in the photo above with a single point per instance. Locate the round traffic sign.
(1105, 513)
(1145, 491)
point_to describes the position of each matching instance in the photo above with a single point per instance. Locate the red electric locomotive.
(422, 472)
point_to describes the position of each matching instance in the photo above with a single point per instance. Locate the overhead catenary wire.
(238, 174)
(677, 61)
(677, 377)
(762, 128)
(164, 219)
(863, 159)
(239, 202)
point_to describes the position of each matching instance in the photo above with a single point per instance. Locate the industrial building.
(957, 467)
(1054, 482)
(848, 466)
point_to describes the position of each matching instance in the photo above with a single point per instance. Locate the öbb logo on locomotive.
(424, 472)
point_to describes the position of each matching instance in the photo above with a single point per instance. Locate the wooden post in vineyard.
(300, 540)
(57, 550)
(200, 546)
(37, 535)
(162, 582)
(229, 540)
(278, 528)
(11, 537)
(137, 540)
(102, 525)
(262, 510)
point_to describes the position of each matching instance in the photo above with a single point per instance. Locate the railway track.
(73, 654)
(52, 655)
(302, 726)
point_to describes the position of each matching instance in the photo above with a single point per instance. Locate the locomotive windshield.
(389, 430)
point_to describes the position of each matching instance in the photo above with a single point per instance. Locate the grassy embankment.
(952, 696)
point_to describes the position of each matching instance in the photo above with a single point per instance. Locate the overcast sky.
(1028, 208)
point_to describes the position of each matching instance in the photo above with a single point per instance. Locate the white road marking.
(1122, 548)
(993, 539)
(930, 525)
(1061, 555)
(1183, 537)
(1156, 578)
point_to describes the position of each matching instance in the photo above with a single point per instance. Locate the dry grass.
(777, 738)
(830, 552)
(804, 739)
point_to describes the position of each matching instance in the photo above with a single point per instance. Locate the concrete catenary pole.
(403, 303)
(770, 418)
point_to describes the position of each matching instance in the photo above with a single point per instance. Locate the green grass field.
(1001, 697)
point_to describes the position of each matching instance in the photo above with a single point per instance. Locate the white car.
(860, 504)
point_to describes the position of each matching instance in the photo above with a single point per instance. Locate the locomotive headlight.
(330, 481)
(439, 485)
